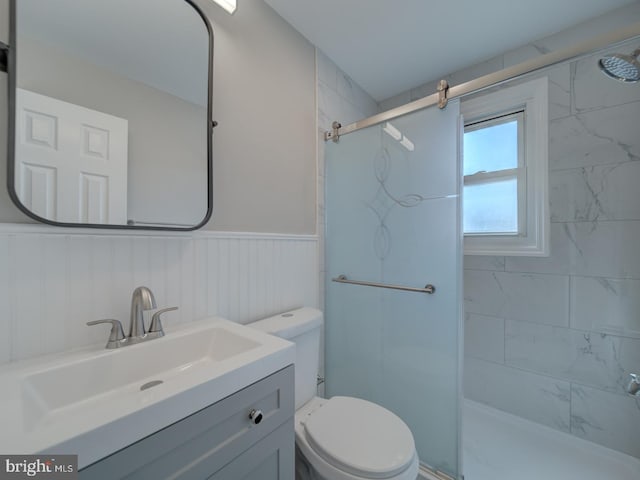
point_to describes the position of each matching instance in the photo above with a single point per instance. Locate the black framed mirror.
(110, 113)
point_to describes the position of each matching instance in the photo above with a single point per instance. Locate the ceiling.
(390, 46)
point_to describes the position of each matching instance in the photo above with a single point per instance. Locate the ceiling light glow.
(228, 5)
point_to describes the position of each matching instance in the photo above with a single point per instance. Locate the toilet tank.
(301, 327)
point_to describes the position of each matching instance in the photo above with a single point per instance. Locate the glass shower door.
(393, 217)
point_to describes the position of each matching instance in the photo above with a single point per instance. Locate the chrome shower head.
(624, 68)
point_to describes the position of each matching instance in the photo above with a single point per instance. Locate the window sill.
(508, 245)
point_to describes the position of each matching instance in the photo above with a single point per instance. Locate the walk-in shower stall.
(394, 260)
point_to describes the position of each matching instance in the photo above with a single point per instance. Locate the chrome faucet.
(141, 300)
(633, 388)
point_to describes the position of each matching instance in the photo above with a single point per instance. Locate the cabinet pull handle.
(255, 416)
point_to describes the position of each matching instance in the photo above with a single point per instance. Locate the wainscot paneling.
(54, 280)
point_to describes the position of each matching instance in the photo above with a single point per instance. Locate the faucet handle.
(156, 324)
(117, 333)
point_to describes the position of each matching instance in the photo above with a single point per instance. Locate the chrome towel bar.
(427, 289)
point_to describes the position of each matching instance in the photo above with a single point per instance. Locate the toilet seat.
(356, 439)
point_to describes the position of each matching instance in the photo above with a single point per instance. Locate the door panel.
(393, 217)
(73, 161)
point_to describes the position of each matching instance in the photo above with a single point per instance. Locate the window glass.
(490, 148)
(491, 207)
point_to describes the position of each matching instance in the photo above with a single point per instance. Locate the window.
(505, 200)
(493, 175)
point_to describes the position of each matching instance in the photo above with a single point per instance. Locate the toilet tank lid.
(290, 324)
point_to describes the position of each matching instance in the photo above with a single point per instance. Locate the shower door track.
(481, 83)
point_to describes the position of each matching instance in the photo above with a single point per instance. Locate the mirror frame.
(11, 137)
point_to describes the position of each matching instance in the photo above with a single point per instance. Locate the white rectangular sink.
(93, 402)
(96, 378)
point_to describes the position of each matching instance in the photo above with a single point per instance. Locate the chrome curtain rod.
(427, 289)
(486, 81)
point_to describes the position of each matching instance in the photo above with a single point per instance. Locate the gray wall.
(554, 339)
(264, 99)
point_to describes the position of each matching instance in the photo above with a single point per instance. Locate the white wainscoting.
(54, 280)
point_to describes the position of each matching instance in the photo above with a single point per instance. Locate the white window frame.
(533, 203)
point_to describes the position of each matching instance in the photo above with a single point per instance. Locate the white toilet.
(342, 438)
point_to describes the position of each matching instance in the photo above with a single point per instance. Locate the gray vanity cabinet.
(217, 442)
(272, 457)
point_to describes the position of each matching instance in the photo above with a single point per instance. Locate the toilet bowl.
(346, 438)
(340, 438)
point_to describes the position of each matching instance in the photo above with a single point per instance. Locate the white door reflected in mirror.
(72, 161)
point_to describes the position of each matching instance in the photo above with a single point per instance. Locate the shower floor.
(499, 446)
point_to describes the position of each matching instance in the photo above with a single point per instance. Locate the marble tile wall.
(341, 99)
(339, 96)
(554, 339)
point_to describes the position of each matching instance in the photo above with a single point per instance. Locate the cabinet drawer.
(205, 441)
(272, 458)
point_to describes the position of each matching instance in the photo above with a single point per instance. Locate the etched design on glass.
(384, 201)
